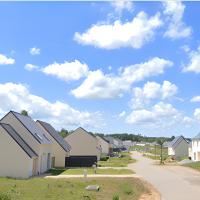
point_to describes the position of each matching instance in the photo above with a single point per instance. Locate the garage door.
(80, 161)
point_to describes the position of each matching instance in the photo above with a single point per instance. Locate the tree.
(63, 132)
(24, 112)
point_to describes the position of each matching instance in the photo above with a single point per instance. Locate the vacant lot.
(123, 161)
(78, 171)
(70, 189)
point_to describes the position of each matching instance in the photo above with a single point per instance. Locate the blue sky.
(107, 66)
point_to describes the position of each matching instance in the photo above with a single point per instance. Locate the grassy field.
(194, 165)
(70, 189)
(80, 171)
(117, 162)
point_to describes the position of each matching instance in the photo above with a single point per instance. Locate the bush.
(104, 158)
(4, 197)
(116, 197)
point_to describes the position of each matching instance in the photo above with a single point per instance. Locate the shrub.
(116, 197)
(4, 197)
(104, 158)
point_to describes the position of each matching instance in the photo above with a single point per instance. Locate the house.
(106, 147)
(116, 143)
(178, 147)
(196, 148)
(85, 150)
(18, 159)
(190, 150)
(127, 144)
(34, 137)
(60, 148)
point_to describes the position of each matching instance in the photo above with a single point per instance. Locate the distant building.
(106, 147)
(178, 147)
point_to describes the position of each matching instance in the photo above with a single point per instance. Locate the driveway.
(173, 182)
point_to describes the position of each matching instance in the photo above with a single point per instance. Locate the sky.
(110, 67)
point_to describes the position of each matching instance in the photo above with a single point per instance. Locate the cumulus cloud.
(98, 85)
(122, 114)
(115, 35)
(31, 67)
(18, 97)
(195, 99)
(121, 5)
(194, 63)
(159, 113)
(4, 60)
(174, 11)
(34, 51)
(197, 114)
(150, 91)
(67, 71)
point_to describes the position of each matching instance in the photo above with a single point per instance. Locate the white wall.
(195, 150)
(14, 162)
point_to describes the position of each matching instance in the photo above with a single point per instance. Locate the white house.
(178, 147)
(127, 144)
(196, 148)
(34, 137)
(18, 159)
(60, 148)
(106, 147)
(85, 150)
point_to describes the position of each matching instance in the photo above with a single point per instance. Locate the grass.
(77, 171)
(117, 162)
(194, 165)
(70, 189)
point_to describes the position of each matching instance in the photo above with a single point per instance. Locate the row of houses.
(29, 148)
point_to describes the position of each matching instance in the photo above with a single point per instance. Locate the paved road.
(173, 182)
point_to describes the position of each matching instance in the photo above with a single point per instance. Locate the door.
(48, 161)
(35, 166)
(52, 162)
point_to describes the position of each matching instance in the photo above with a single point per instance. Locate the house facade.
(178, 147)
(60, 148)
(34, 137)
(85, 150)
(18, 159)
(106, 147)
(196, 148)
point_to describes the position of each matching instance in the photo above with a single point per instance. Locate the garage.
(80, 161)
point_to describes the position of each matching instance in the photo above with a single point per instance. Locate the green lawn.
(117, 162)
(70, 189)
(194, 165)
(77, 171)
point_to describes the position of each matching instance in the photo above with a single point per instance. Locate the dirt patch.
(151, 194)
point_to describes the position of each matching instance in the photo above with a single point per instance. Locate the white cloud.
(5, 60)
(67, 71)
(121, 5)
(197, 114)
(194, 63)
(34, 51)
(122, 114)
(159, 113)
(174, 10)
(150, 91)
(133, 34)
(17, 97)
(100, 86)
(104, 86)
(195, 99)
(31, 67)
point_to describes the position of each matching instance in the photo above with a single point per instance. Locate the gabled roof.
(104, 139)
(197, 136)
(55, 135)
(17, 138)
(33, 128)
(176, 141)
(80, 129)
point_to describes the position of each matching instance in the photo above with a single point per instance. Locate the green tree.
(63, 132)
(24, 112)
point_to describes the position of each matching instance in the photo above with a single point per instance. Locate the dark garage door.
(80, 161)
